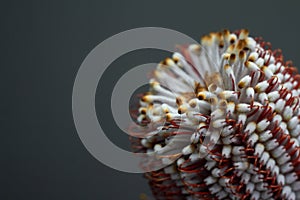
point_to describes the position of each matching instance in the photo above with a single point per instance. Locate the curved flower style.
(225, 119)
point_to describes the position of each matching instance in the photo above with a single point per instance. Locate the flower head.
(225, 119)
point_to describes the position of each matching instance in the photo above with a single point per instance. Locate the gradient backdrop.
(42, 46)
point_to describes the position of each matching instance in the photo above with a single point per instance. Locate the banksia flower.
(224, 118)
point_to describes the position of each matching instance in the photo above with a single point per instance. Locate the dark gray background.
(42, 46)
